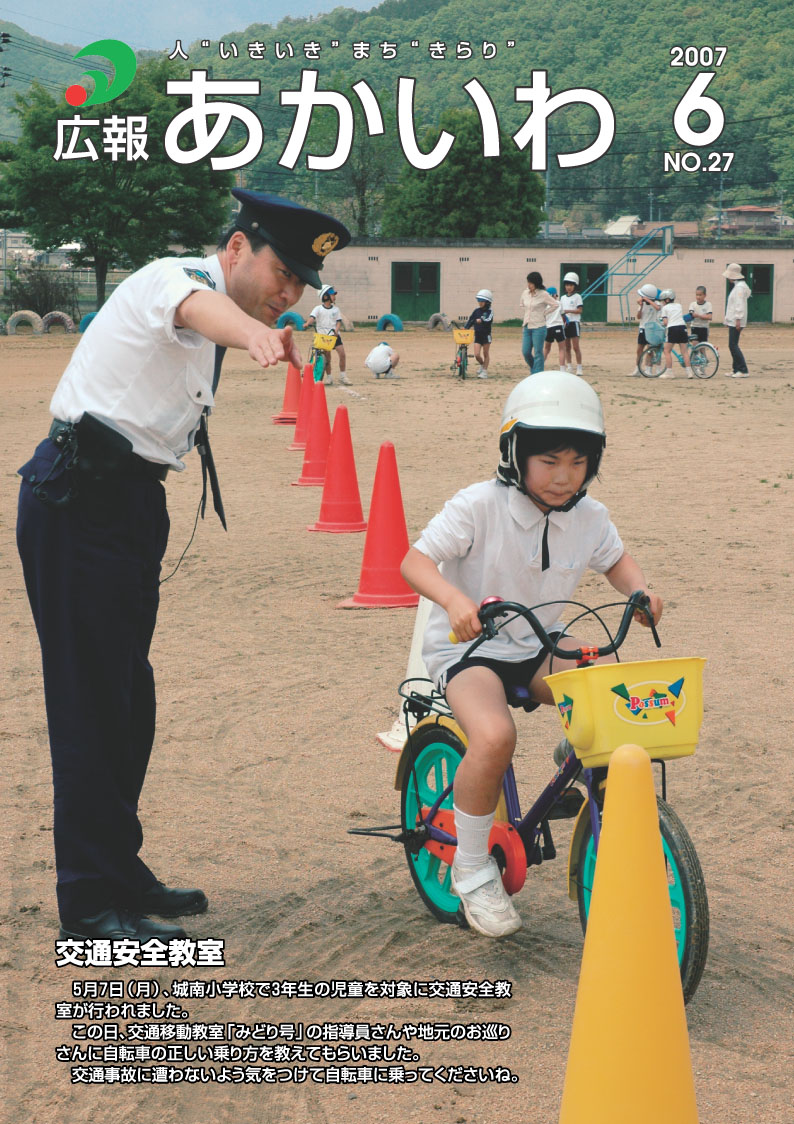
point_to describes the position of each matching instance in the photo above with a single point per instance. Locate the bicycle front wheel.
(687, 894)
(651, 362)
(319, 366)
(705, 360)
(464, 362)
(435, 753)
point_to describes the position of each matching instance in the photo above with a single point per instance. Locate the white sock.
(472, 833)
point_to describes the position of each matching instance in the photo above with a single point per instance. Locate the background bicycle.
(322, 344)
(463, 337)
(704, 359)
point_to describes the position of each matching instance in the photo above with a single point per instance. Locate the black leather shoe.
(165, 902)
(119, 924)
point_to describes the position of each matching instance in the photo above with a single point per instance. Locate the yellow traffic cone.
(629, 1056)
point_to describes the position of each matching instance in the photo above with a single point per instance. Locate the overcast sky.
(154, 24)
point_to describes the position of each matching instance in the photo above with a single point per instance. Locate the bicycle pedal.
(567, 807)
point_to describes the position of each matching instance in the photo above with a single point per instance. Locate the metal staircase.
(621, 279)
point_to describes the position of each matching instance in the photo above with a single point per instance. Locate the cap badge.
(324, 243)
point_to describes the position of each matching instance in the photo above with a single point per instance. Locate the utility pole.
(650, 205)
(719, 216)
(548, 188)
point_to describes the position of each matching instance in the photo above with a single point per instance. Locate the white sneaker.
(345, 381)
(482, 374)
(690, 374)
(329, 382)
(569, 369)
(485, 901)
(635, 374)
(579, 369)
(740, 375)
(667, 375)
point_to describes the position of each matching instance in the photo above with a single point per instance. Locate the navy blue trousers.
(92, 576)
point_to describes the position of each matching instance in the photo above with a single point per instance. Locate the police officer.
(93, 525)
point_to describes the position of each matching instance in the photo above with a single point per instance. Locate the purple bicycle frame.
(529, 827)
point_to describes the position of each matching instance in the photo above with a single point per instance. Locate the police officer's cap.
(300, 237)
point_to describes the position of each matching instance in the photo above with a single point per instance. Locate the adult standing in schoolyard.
(736, 318)
(93, 525)
(536, 303)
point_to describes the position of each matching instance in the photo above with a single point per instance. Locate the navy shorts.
(518, 674)
(572, 329)
(556, 333)
(701, 334)
(679, 333)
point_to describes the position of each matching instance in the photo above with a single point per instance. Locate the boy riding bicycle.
(527, 536)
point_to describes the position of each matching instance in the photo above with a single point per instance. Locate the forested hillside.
(622, 50)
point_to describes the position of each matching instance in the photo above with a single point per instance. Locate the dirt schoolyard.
(270, 698)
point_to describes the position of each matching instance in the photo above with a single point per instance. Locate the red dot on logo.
(76, 95)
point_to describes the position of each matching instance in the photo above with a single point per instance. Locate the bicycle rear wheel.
(651, 363)
(687, 894)
(435, 753)
(705, 360)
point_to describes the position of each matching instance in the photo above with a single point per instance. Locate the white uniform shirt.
(326, 319)
(136, 371)
(487, 542)
(648, 312)
(379, 359)
(571, 307)
(554, 317)
(673, 313)
(699, 312)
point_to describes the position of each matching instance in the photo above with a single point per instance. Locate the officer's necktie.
(205, 452)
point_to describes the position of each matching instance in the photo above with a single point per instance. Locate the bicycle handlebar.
(493, 607)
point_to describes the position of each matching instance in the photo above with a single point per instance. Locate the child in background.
(328, 320)
(554, 331)
(700, 311)
(571, 307)
(648, 309)
(672, 316)
(528, 536)
(382, 360)
(481, 320)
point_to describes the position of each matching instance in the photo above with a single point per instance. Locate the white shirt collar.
(527, 514)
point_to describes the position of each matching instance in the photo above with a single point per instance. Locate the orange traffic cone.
(317, 440)
(629, 1055)
(381, 585)
(304, 409)
(292, 392)
(340, 507)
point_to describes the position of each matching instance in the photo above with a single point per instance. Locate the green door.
(595, 306)
(760, 278)
(415, 289)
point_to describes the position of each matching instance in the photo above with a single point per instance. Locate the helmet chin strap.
(572, 502)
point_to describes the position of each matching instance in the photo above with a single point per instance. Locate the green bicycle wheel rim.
(433, 774)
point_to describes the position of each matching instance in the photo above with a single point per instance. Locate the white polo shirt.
(326, 319)
(136, 371)
(487, 542)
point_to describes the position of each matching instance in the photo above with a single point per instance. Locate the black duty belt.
(132, 465)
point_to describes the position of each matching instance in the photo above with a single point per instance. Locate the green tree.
(467, 195)
(122, 212)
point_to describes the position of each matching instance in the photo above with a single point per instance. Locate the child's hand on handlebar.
(462, 613)
(655, 604)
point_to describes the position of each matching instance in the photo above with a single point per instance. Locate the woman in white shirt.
(736, 318)
(535, 303)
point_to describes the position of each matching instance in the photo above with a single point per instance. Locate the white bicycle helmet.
(549, 400)
(571, 277)
(327, 289)
(484, 295)
(667, 295)
(650, 292)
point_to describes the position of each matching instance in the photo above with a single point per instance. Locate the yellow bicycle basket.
(657, 704)
(324, 342)
(463, 335)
